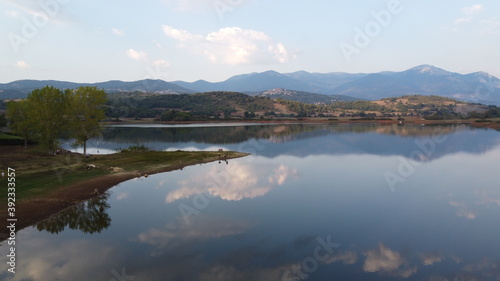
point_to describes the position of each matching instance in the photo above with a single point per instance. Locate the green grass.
(37, 184)
(5, 136)
(37, 174)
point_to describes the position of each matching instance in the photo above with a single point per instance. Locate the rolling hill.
(478, 87)
(21, 88)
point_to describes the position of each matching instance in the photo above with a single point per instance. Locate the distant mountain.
(304, 97)
(21, 88)
(479, 87)
(253, 82)
(325, 81)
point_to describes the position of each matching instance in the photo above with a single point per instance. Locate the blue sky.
(94, 41)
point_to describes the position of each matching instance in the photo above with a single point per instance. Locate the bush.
(134, 148)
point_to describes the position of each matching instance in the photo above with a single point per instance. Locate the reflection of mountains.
(386, 140)
(310, 139)
(210, 135)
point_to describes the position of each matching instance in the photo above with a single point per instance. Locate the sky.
(95, 41)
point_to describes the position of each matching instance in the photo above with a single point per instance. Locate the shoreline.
(493, 124)
(32, 211)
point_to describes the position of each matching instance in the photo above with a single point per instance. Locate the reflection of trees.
(89, 216)
(277, 133)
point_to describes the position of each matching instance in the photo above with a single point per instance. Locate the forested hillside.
(199, 106)
(211, 105)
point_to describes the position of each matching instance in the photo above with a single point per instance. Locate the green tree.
(20, 121)
(168, 115)
(3, 120)
(86, 111)
(90, 216)
(48, 108)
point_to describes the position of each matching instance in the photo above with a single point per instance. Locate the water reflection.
(200, 228)
(235, 182)
(264, 213)
(297, 139)
(387, 262)
(89, 216)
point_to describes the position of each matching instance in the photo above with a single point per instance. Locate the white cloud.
(469, 13)
(281, 174)
(180, 35)
(386, 261)
(67, 260)
(161, 62)
(22, 65)
(474, 9)
(232, 46)
(118, 32)
(463, 210)
(122, 196)
(462, 20)
(200, 228)
(431, 258)
(137, 55)
(382, 259)
(237, 182)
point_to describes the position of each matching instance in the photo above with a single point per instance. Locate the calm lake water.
(312, 202)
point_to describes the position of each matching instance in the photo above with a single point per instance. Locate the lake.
(312, 202)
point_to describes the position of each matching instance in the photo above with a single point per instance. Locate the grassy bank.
(38, 173)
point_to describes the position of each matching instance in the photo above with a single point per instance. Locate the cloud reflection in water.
(236, 182)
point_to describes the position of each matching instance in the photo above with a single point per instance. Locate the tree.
(20, 121)
(86, 111)
(3, 120)
(168, 115)
(48, 108)
(90, 216)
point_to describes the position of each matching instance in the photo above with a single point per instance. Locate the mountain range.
(479, 87)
